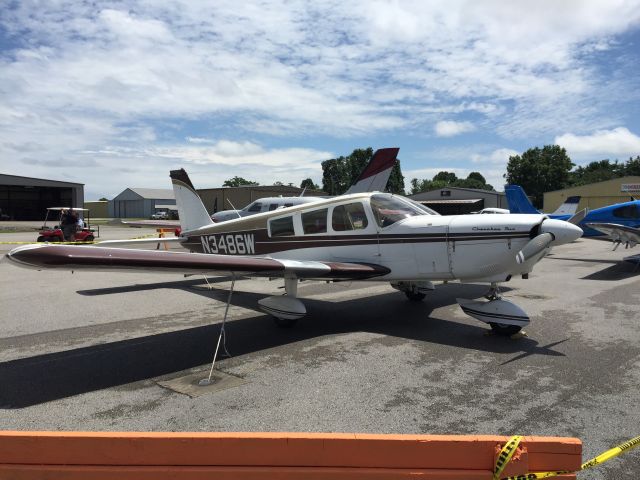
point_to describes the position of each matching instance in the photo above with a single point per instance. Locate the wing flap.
(78, 257)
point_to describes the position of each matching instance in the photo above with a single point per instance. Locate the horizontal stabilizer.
(569, 207)
(578, 217)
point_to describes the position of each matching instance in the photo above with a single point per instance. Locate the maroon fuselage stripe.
(265, 245)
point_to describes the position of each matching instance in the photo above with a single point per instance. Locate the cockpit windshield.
(389, 209)
(427, 210)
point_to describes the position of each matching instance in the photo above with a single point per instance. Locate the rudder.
(518, 200)
(191, 210)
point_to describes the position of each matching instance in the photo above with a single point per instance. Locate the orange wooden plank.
(62, 472)
(424, 452)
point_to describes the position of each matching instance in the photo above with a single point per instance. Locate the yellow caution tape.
(77, 243)
(505, 455)
(600, 459)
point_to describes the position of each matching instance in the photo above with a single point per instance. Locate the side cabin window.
(628, 211)
(315, 221)
(388, 210)
(273, 206)
(281, 227)
(349, 217)
(256, 207)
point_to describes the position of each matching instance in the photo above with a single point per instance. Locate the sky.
(114, 94)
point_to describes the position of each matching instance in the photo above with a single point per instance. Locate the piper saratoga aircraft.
(363, 236)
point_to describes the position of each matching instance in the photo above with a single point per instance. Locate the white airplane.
(374, 177)
(363, 236)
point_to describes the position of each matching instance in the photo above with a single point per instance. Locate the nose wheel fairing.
(499, 311)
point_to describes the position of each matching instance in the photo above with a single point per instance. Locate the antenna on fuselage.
(234, 208)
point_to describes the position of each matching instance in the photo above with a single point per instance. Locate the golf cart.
(82, 233)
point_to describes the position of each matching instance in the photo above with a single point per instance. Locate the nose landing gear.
(503, 316)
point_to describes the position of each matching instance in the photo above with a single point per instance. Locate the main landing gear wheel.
(415, 296)
(285, 322)
(504, 329)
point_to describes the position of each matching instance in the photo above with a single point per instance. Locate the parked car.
(160, 216)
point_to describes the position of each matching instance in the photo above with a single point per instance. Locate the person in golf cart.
(69, 224)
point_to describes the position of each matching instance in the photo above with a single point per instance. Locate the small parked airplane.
(373, 178)
(619, 221)
(519, 203)
(360, 236)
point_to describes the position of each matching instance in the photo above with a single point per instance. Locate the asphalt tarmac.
(84, 351)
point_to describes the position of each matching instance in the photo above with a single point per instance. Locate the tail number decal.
(229, 244)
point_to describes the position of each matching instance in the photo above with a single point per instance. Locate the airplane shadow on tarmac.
(42, 378)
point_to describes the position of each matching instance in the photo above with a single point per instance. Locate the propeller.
(536, 245)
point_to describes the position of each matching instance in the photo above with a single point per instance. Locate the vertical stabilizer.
(376, 174)
(569, 206)
(518, 200)
(192, 211)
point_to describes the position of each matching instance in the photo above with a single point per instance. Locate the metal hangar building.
(596, 195)
(27, 198)
(141, 202)
(458, 200)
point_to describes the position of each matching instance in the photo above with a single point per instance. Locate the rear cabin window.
(273, 206)
(256, 207)
(281, 227)
(388, 210)
(315, 222)
(349, 217)
(628, 211)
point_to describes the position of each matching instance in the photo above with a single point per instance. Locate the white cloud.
(81, 77)
(619, 142)
(450, 128)
(499, 156)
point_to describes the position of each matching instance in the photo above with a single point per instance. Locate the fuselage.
(626, 213)
(387, 230)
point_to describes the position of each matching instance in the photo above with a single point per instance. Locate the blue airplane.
(625, 214)
(519, 203)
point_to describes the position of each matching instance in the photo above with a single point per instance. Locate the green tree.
(103, 199)
(308, 184)
(396, 180)
(477, 176)
(632, 166)
(447, 177)
(237, 182)
(596, 172)
(540, 170)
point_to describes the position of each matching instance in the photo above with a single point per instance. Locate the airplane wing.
(78, 257)
(618, 233)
